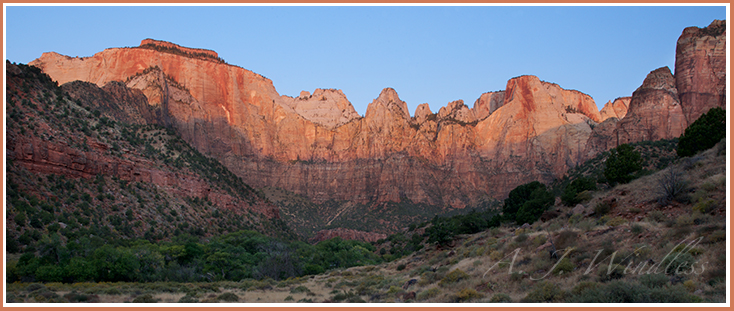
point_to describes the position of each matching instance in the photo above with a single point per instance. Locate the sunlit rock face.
(654, 111)
(318, 146)
(700, 69)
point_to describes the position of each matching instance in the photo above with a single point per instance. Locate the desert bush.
(621, 164)
(602, 208)
(544, 292)
(500, 298)
(656, 216)
(608, 273)
(678, 263)
(300, 289)
(228, 297)
(467, 294)
(670, 185)
(539, 240)
(684, 220)
(453, 277)
(654, 280)
(716, 236)
(616, 221)
(703, 133)
(147, 298)
(563, 266)
(704, 206)
(565, 238)
(429, 293)
(188, 299)
(401, 267)
(637, 229)
(521, 238)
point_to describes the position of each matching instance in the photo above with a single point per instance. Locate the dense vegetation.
(234, 256)
(621, 164)
(703, 133)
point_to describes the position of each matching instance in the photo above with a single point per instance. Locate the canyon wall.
(317, 145)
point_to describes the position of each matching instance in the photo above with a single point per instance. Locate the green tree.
(537, 203)
(577, 185)
(518, 197)
(704, 133)
(442, 231)
(621, 164)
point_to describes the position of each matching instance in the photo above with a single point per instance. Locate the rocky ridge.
(318, 146)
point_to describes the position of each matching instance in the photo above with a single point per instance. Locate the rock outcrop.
(700, 69)
(654, 111)
(318, 146)
(615, 109)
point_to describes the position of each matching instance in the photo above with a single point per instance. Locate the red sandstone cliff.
(700, 69)
(316, 144)
(615, 109)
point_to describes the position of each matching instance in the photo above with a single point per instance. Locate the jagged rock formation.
(665, 105)
(615, 109)
(654, 111)
(700, 69)
(317, 145)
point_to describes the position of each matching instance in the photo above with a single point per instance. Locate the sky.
(428, 54)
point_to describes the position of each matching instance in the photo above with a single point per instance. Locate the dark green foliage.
(621, 165)
(234, 256)
(535, 204)
(228, 297)
(704, 133)
(678, 263)
(518, 197)
(569, 197)
(445, 228)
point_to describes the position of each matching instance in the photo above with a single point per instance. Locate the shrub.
(703, 133)
(607, 274)
(563, 266)
(602, 208)
(704, 206)
(678, 262)
(621, 164)
(671, 185)
(500, 298)
(653, 280)
(147, 298)
(228, 297)
(453, 277)
(616, 221)
(544, 292)
(570, 194)
(467, 294)
(188, 299)
(429, 293)
(401, 267)
(521, 238)
(300, 289)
